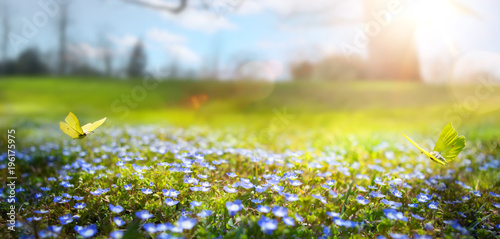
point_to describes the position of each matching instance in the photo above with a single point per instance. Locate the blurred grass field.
(328, 107)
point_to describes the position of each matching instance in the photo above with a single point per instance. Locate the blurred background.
(329, 64)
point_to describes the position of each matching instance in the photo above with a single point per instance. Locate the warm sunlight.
(432, 12)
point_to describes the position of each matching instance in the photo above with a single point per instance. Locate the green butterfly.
(447, 148)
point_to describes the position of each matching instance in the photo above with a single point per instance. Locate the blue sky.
(259, 31)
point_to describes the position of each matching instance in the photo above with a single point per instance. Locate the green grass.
(344, 128)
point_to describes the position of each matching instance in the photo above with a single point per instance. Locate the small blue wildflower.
(115, 209)
(418, 217)
(144, 215)
(279, 211)
(234, 207)
(204, 213)
(170, 202)
(186, 222)
(267, 225)
(149, 227)
(433, 205)
(80, 205)
(118, 221)
(289, 221)
(86, 232)
(263, 209)
(361, 200)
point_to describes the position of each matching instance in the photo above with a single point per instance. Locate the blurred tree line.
(332, 68)
(31, 62)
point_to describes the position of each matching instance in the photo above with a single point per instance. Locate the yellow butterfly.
(447, 148)
(72, 126)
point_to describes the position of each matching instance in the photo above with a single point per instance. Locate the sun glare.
(432, 12)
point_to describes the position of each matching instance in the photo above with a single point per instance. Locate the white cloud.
(86, 50)
(124, 43)
(163, 36)
(199, 19)
(174, 44)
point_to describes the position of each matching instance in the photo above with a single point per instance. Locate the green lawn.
(267, 134)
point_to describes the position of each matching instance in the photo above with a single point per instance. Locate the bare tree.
(5, 32)
(62, 29)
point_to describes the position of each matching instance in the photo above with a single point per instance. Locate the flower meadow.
(167, 182)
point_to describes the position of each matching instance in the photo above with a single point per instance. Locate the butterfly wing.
(92, 126)
(69, 130)
(425, 151)
(449, 144)
(73, 122)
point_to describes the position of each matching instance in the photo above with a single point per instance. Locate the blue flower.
(291, 197)
(423, 198)
(298, 218)
(115, 209)
(149, 227)
(186, 222)
(398, 236)
(279, 211)
(433, 205)
(230, 190)
(86, 232)
(118, 221)
(494, 194)
(80, 205)
(128, 186)
(476, 193)
(234, 207)
(260, 189)
(396, 193)
(231, 174)
(117, 234)
(267, 225)
(77, 198)
(41, 211)
(170, 202)
(289, 221)
(429, 227)
(374, 194)
(144, 215)
(195, 204)
(418, 217)
(170, 193)
(379, 181)
(320, 198)
(147, 191)
(333, 214)
(361, 200)
(412, 205)
(204, 213)
(256, 201)
(361, 188)
(66, 219)
(263, 209)
(394, 214)
(294, 182)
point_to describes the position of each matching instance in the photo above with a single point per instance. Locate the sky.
(269, 34)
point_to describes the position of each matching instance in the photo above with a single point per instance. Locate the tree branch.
(158, 6)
